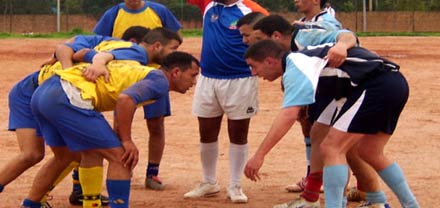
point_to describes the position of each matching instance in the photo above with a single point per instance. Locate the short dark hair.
(263, 49)
(268, 25)
(250, 19)
(163, 35)
(179, 59)
(323, 3)
(136, 32)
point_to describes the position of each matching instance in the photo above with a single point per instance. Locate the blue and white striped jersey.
(306, 73)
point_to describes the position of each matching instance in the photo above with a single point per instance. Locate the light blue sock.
(335, 178)
(376, 197)
(394, 178)
(119, 193)
(344, 202)
(308, 143)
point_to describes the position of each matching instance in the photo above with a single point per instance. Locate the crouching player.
(363, 115)
(68, 109)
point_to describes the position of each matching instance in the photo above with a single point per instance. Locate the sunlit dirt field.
(415, 145)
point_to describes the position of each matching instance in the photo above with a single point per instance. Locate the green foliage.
(192, 33)
(185, 11)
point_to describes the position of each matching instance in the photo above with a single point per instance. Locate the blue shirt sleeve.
(135, 53)
(301, 79)
(153, 87)
(105, 24)
(169, 21)
(86, 41)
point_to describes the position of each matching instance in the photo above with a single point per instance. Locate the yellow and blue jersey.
(123, 75)
(87, 41)
(119, 18)
(121, 50)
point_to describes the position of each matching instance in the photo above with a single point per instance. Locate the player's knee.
(32, 158)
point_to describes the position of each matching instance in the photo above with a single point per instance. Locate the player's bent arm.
(124, 113)
(281, 125)
(64, 55)
(337, 54)
(98, 68)
(283, 122)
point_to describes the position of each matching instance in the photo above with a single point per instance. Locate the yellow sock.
(60, 178)
(91, 183)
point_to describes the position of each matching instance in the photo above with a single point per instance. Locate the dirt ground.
(415, 145)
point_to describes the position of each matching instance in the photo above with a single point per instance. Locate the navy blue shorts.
(375, 105)
(63, 124)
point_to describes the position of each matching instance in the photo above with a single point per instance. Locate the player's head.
(133, 4)
(135, 34)
(245, 26)
(182, 69)
(327, 4)
(309, 6)
(225, 1)
(264, 58)
(275, 27)
(161, 42)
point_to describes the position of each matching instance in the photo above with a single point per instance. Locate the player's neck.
(135, 6)
(312, 13)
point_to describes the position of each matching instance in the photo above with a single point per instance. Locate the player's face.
(264, 69)
(165, 50)
(246, 32)
(304, 5)
(258, 35)
(186, 79)
(133, 4)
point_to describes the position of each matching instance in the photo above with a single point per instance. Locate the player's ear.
(271, 61)
(175, 72)
(157, 45)
(276, 35)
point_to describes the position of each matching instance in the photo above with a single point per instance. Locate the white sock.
(209, 156)
(237, 160)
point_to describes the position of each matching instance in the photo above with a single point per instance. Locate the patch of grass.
(77, 31)
(372, 34)
(192, 33)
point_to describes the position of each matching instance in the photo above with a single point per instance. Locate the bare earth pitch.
(415, 144)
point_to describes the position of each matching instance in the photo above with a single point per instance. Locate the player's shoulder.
(255, 7)
(155, 5)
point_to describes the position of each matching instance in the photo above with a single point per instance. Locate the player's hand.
(50, 61)
(336, 55)
(92, 72)
(130, 157)
(252, 167)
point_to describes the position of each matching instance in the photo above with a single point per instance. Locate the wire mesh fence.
(358, 15)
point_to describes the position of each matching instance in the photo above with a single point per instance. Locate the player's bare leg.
(50, 171)
(389, 171)
(31, 152)
(368, 187)
(156, 146)
(306, 126)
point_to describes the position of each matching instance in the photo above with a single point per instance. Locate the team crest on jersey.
(214, 17)
(233, 25)
(250, 110)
